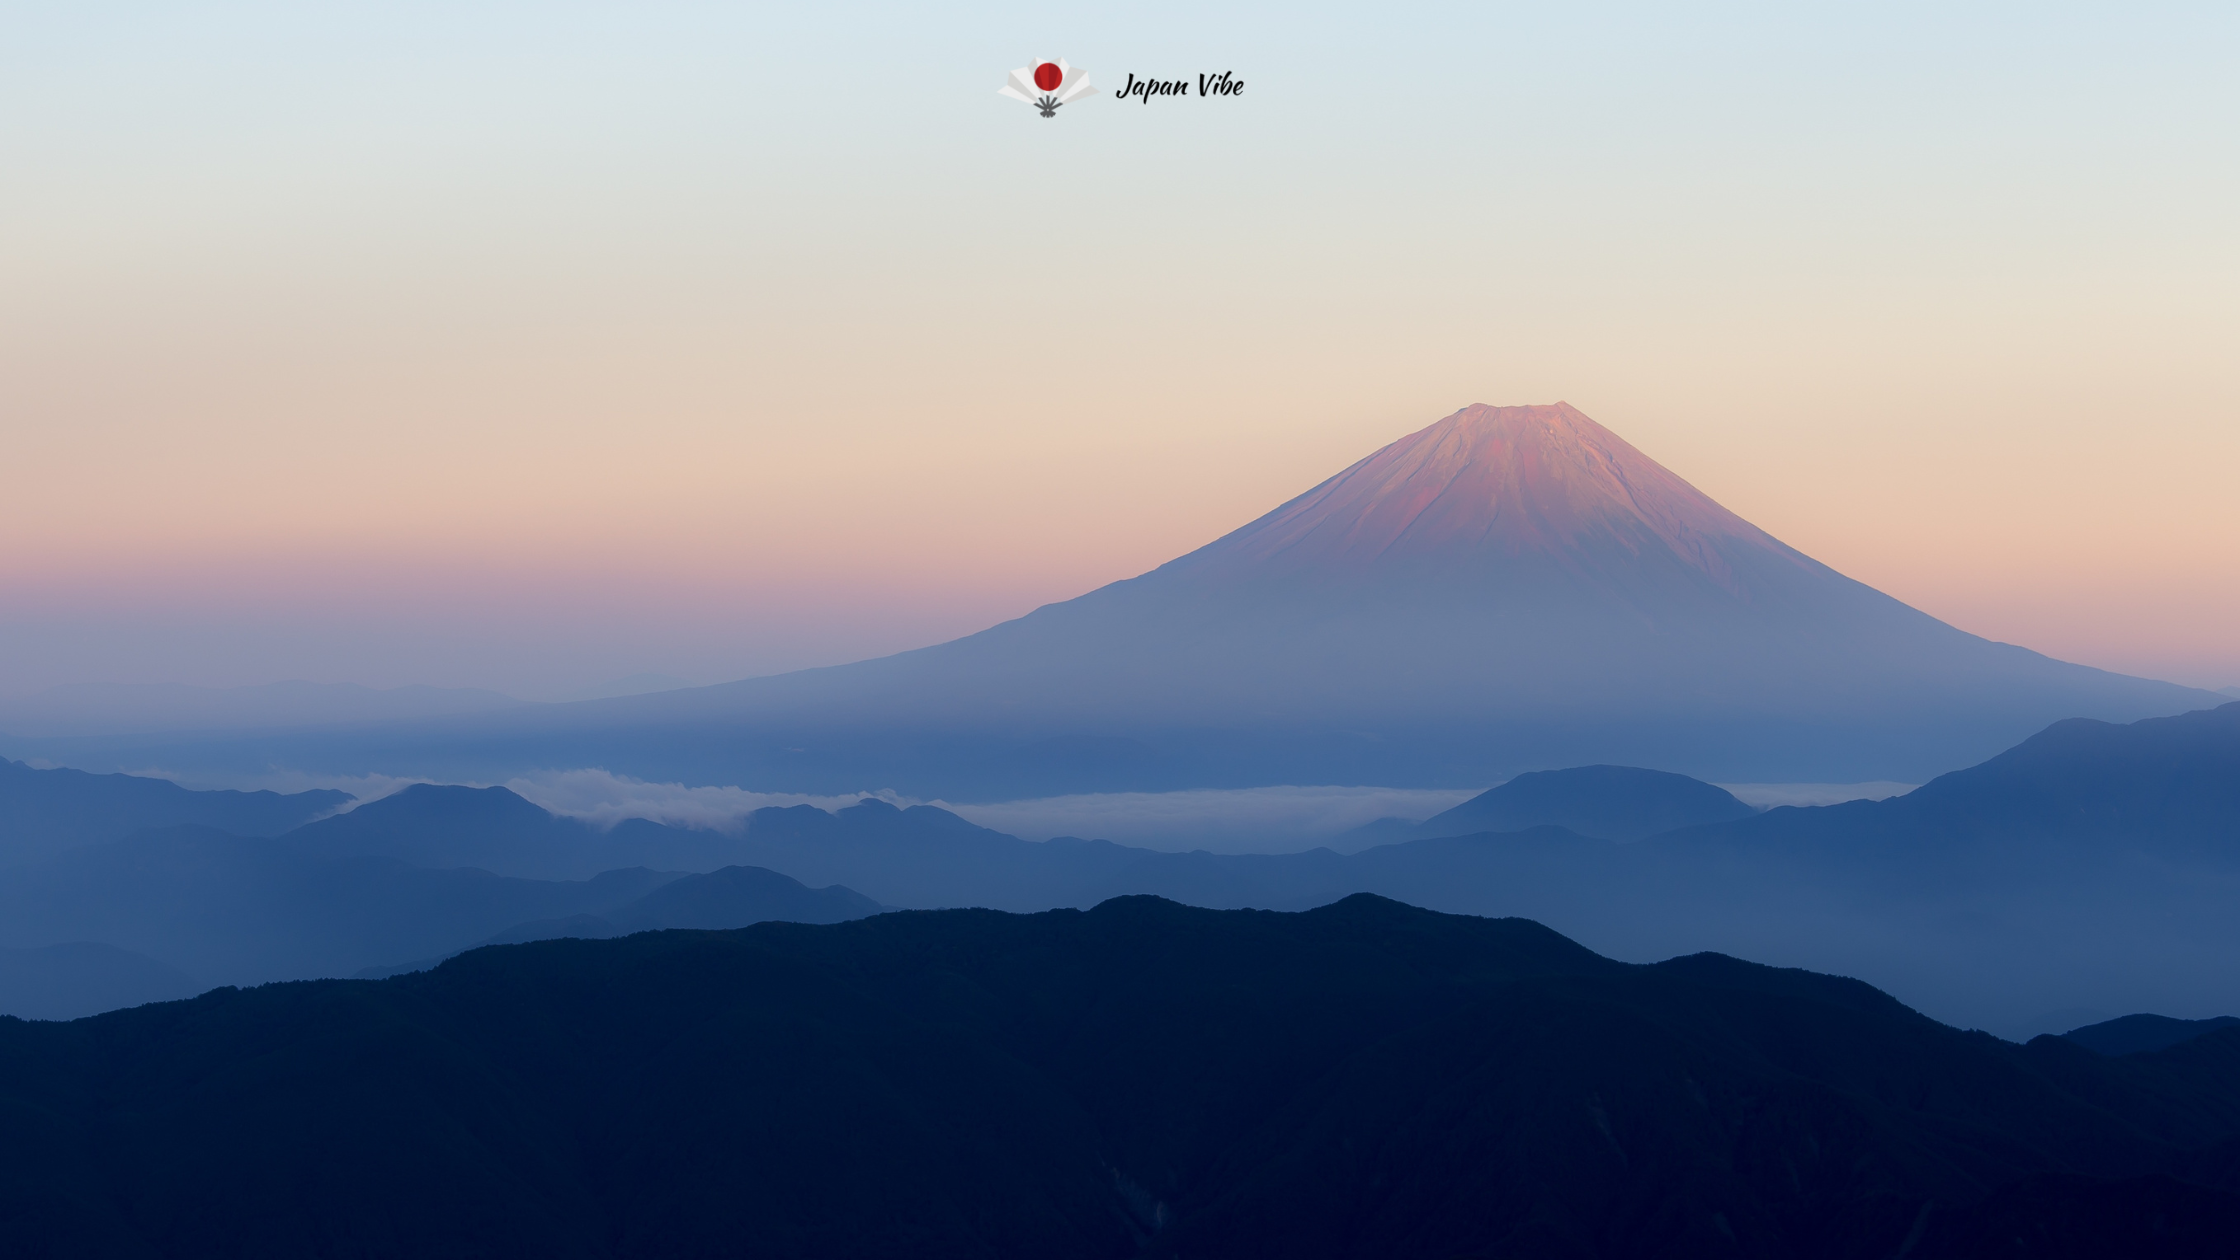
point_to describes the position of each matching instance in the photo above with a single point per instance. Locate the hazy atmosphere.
(533, 347)
(1047, 632)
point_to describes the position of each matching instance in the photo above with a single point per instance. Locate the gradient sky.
(528, 346)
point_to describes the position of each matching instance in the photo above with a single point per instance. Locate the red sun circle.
(1048, 76)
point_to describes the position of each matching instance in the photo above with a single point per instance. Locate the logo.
(1228, 84)
(1047, 84)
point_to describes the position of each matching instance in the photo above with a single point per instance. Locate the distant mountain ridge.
(233, 910)
(495, 829)
(1508, 590)
(2092, 865)
(2169, 784)
(733, 897)
(1600, 802)
(2091, 854)
(47, 811)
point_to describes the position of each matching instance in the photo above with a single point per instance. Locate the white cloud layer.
(1235, 820)
(1243, 820)
(1773, 795)
(597, 796)
(605, 799)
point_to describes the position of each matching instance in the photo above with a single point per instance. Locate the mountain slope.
(2142, 1034)
(2168, 785)
(233, 910)
(2094, 865)
(937, 858)
(1604, 802)
(734, 897)
(48, 811)
(1509, 585)
(446, 826)
(1362, 1081)
(2175, 779)
(81, 978)
(1509, 589)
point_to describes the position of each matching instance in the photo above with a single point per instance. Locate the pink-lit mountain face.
(1483, 487)
(1514, 562)
(1510, 581)
(1512, 588)
(1526, 513)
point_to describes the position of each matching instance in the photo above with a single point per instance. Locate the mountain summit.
(1531, 516)
(1485, 486)
(1510, 589)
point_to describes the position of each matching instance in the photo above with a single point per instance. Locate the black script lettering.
(1144, 89)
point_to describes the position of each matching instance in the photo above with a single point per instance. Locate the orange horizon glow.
(527, 358)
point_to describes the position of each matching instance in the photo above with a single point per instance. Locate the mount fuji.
(1510, 589)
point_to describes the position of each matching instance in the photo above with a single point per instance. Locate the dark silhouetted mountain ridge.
(2086, 868)
(1362, 1081)
(2142, 1034)
(1976, 897)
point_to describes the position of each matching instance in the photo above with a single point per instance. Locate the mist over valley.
(644, 632)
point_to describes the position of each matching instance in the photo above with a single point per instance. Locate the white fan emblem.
(1047, 84)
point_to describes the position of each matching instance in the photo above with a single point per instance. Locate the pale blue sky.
(529, 345)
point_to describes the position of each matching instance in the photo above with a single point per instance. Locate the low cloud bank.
(1774, 795)
(367, 788)
(1241, 820)
(605, 799)
(596, 796)
(1250, 820)
(1229, 820)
